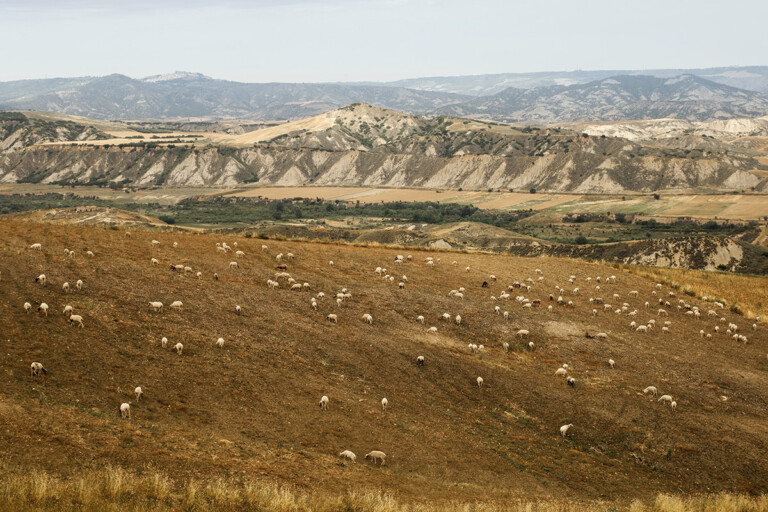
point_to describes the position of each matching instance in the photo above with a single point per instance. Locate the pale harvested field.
(162, 195)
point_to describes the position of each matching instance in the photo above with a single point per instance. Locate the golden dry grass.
(747, 294)
(114, 489)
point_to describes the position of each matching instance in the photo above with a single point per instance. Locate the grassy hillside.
(249, 410)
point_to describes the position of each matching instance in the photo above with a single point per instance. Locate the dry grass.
(114, 489)
(745, 294)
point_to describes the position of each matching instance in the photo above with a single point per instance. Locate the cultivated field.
(249, 411)
(737, 207)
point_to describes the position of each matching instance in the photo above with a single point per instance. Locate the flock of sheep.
(602, 300)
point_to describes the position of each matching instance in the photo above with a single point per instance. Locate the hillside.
(369, 146)
(250, 409)
(617, 98)
(19, 131)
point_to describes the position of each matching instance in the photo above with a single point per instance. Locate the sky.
(372, 40)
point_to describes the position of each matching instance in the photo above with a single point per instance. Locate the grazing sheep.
(178, 348)
(41, 279)
(571, 381)
(233, 265)
(665, 398)
(561, 372)
(65, 287)
(650, 389)
(480, 382)
(36, 247)
(155, 261)
(220, 342)
(76, 319)
(564, 429)
(346, 454)
(139, 393)
(43, 308)
(89, 254)
(522, 333)
(332, 318)
(239, 254)
(612, 363)
(432, 330)
(296, 287)
(505, 346)
(420, 361)
(28, 307)
(673, 404)
(420, 319)
(37, 369)
(125, 410)
(238, 310)
(368, 319)
(164, 342)
(79, 285)
(177, 305)
(376, 456)
(384, 403)
(531, 346)
(324, 403)
(156, 306)
(458, 319)
(330, 263)
(601, 335)
(155, 243)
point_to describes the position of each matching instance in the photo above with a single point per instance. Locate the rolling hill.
(369, 146)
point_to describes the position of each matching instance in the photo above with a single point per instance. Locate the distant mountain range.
(616, 98)
(725, 93)
(751, 78)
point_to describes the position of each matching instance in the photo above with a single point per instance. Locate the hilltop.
(250, 409)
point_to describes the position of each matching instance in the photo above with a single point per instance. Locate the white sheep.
(178, 348)
(89, 254)
(79, 285)
(368, 319)
(43, 308)
(155, 261)
(36, 247)
(650, 389)
(177, 305)
(432, 330)
(330, 263)
(384, 403)
(561, 372)
(612, 363)
(125, 410)
(480, 382)
(420, 319)
(41, 279)
(531, 346)
(420, 361)
(665, 398)
(458, 319)
(233, 265)
(346, 454)
(27, 307)
(376, 456)
(332, 318)
(505, 346)
(564, 429)
(673, 404)
(239, 254)
(139, 393)
(156, 306)
(37, 369)
(324, 403)
(220, 342)
(164, 342)
(76, 319)
(238, 310)
(522, 333)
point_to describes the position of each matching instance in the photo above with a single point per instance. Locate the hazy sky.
(344, 40)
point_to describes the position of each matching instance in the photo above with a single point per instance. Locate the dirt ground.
(251, 407)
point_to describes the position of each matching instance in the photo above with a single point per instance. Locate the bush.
(533, 191)
(581, 240)
(167, 219)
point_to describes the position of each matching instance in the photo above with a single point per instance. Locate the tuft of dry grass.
(114, 489)
(746, 295)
